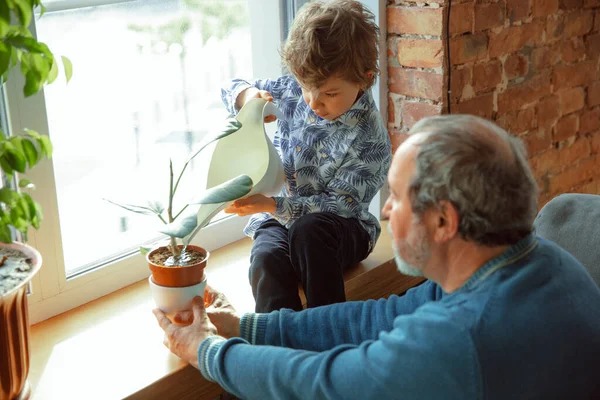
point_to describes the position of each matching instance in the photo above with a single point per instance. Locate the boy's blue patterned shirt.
(330, 166)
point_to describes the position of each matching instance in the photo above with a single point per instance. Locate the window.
(145, 89)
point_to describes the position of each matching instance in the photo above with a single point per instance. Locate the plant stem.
(174, 249)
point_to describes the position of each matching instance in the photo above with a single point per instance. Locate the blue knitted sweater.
(526, 325)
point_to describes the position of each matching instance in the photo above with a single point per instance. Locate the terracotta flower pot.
(14, 331)
(174, 287)
(177, 276)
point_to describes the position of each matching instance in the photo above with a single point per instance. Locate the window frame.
(51, 292)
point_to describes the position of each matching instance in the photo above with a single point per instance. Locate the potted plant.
(177, 268)
(18, 211)
(243, 162)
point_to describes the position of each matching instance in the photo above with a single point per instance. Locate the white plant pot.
(174, 299)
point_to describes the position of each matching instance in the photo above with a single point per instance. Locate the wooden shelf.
(111, 348)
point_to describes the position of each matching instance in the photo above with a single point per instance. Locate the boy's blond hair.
(335, 38)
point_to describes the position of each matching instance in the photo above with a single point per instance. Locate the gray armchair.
(573, 222)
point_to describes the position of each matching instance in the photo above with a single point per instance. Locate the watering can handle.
(271, 109)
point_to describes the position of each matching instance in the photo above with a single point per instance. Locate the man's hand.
(252, 93)
(183, 341)
(219, 310)
(252, 205)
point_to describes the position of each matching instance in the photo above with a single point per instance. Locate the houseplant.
(18, 211)
(242, 162)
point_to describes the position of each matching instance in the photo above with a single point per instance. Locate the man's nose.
(386, 208)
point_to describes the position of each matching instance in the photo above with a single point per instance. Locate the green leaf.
(5, 236)
(133, 208)
(145, 250)
(32, 133)
(26, 183)
(46, 145)
(4, 15)
(31, 153)
(8, 170)
(5, 52)
(156, 207)
(53, 73)
(233, 189)
(8, 196)
(68, 66)
(24, 11)
(15, 156)
(180, 228)
(29, 44)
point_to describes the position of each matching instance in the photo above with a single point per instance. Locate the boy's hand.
(252, 205)
(252, 93)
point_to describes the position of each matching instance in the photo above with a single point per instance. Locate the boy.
(336, 154)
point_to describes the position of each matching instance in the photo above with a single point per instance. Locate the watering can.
(247, 152)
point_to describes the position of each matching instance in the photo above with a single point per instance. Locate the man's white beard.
(417, 246)
(403, 266)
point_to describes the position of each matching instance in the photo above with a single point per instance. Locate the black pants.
(315, 252)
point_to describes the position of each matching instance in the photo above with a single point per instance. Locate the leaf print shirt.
(330, 166)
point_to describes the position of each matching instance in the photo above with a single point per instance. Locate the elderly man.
(504, 314)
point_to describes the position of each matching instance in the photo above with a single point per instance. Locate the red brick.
(547, 162)
(468, 48)
(409, 82)
(573, 176)
(578, 23)
(593, 94)
(397, 138)
(514, 38)
(482, 106)
(543, 8)
(548, 111)
(518, 9)
(516, 65)
(412, 112)
(528, 92)
(566, 127)
(486, 75)
(488, 16)
(536, 141)
(572, 154)
(518, 121)
(596, 143)
(566, 76)
(391, 113)
(423, 53)
(555, 28)
(592, 46)
(573, 50)
(569, 4)
(461, 18)
(590, 121)
(571, 100)
(460, 78)
(415, 20)
(545, 57)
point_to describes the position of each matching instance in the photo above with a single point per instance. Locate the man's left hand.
(183, 341)
(252, 205)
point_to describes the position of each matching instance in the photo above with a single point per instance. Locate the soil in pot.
(185, 270)
(15, 267)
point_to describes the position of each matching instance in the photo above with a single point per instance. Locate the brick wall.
(532, 66)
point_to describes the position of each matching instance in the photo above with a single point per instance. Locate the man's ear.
(446, 220)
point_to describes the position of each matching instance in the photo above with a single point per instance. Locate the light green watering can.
(246, 155)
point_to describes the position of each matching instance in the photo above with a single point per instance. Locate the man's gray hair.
(482, 171)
